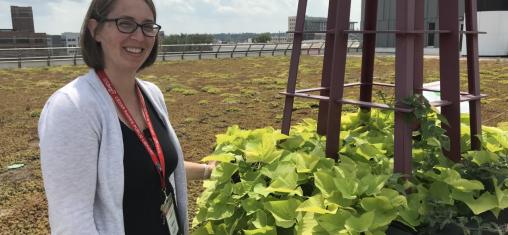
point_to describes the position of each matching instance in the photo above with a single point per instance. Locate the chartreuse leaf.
(274, 170)
(360, 223)
(433, 141)
(293, 143)
(494, 139)
(325, 163)
(220, 157)
(453, 178)
(347, 187)
(324, 182)
(284, 211)
(368, 151)
(414, 214)
(251, 205)
(501, 195)
(334, 223)
(220, 211)
(305, 163)
(205, 229)
(286, 183)
(242, 188)
(396, 199)
(268, 230)
(376, 203)
(200, 217)
(385, 207)
(223, 172)
(261, 219)
(485, 202)
(264, 148)
(441, 192)
(315, 204)
(372, 184)
(341, 179)
(337, 200)
(233, 136)
(309, 225)
(259, 189)
(482, 157)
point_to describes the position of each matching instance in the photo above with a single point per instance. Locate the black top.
(142, 196)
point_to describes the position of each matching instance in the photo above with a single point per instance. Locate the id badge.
(168, 210)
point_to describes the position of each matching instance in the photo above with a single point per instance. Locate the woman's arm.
(69, 153)
(197, 171)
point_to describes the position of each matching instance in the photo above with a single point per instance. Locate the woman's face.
(126, 51)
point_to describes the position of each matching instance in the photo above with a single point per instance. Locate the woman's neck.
(124, 82)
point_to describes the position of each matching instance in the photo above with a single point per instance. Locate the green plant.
(269, 183)
(458, 194)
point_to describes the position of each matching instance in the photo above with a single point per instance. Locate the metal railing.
(19, 57)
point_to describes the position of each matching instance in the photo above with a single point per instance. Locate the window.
(22, 41)
(430, 37)
(6, 40)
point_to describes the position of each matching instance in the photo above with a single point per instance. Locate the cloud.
(50, 16)
(178, 16)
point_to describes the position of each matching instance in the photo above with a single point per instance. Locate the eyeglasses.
(126, 25)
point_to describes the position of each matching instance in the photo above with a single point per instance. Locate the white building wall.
(71, 40)
(495, 42)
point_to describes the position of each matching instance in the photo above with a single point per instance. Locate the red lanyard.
(158, 160)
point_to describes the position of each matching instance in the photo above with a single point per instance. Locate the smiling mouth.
(134, 50)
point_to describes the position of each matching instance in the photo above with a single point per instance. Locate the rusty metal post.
(368, 52)
(337, 80)
(473, 73)
(404, 72)
(320, 48)
(248, 49)
(418, 48)
(19, 59)
(261, 50)
(327, 67)
(450, 73)
(217, 52)
(48, 62)
(234, 49)
(293, 67)
(309, 48)
(274, 49)
(287, 48)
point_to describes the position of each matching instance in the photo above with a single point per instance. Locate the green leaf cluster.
(269, 183)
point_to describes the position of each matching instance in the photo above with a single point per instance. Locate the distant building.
(311, 24)
(22, 35)
(71, 40)
(22, 19)
(490, 15)
(386, 21)
(55, 41)
(279, 38)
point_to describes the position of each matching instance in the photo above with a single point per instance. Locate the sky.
(179, 16)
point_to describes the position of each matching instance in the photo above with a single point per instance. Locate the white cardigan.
(82, 158)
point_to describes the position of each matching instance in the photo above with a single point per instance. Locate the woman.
(110, 159)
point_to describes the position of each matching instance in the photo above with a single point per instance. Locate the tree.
(263, 38)
(188, 39)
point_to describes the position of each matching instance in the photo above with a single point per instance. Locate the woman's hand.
(197, 171)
